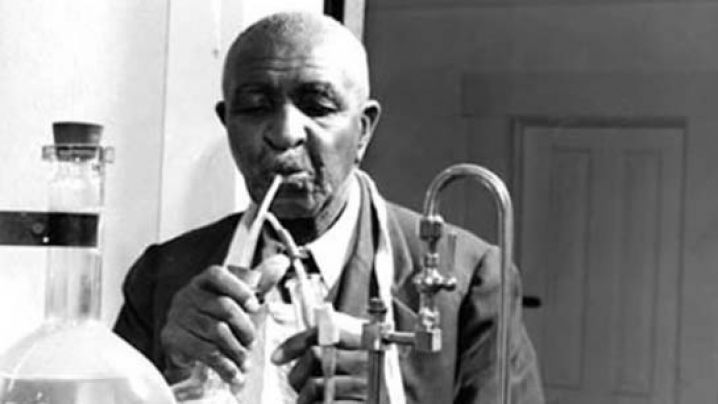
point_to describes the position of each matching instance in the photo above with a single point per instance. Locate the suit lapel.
(356, 284)
(351, 293)
(405, 297)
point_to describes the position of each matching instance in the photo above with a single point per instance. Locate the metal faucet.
(426, 337)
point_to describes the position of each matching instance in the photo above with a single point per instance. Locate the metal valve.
(426, 336)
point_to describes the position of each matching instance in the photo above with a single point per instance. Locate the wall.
(79, 60)
(453, 75)
(149, 72)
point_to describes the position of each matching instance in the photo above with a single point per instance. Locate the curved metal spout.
(431, 232)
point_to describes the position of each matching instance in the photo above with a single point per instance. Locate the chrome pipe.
(505, 234)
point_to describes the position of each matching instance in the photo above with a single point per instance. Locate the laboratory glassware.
(72, 358)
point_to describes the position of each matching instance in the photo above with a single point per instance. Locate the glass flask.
(72, 358)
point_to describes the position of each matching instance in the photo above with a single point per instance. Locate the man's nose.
(288, 129)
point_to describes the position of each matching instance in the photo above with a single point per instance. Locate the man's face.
(295, 112)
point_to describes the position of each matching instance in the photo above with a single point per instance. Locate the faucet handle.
(430, 282)
(448, 283)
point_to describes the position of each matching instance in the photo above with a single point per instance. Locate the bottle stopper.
(84, 133)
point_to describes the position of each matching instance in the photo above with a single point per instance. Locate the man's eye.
(252, 104)
(318, 108)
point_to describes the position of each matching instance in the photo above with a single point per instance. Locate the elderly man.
(296, 104)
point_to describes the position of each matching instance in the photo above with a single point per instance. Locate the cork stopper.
(77, 141)
(78, 133)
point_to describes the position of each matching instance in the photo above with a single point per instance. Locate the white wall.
(78, 60)
(149, 72)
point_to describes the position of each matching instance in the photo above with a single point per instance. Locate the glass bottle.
(72, 358)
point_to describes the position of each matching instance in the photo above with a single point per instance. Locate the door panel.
(600, 211)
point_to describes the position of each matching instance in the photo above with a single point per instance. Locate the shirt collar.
(332, 249)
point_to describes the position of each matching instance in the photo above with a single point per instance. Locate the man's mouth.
(294, 181)
(296, 177)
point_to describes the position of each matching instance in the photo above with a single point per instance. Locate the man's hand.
(209, 319)
(306, 375)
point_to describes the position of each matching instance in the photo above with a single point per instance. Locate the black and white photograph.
(359, 201)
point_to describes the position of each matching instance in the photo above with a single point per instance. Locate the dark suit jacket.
(463, 372)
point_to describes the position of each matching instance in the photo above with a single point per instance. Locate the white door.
(600, 237)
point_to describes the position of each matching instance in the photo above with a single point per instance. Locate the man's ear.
(221, 112)
(369, 119)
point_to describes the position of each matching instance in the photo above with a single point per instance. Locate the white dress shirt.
(278, 320)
